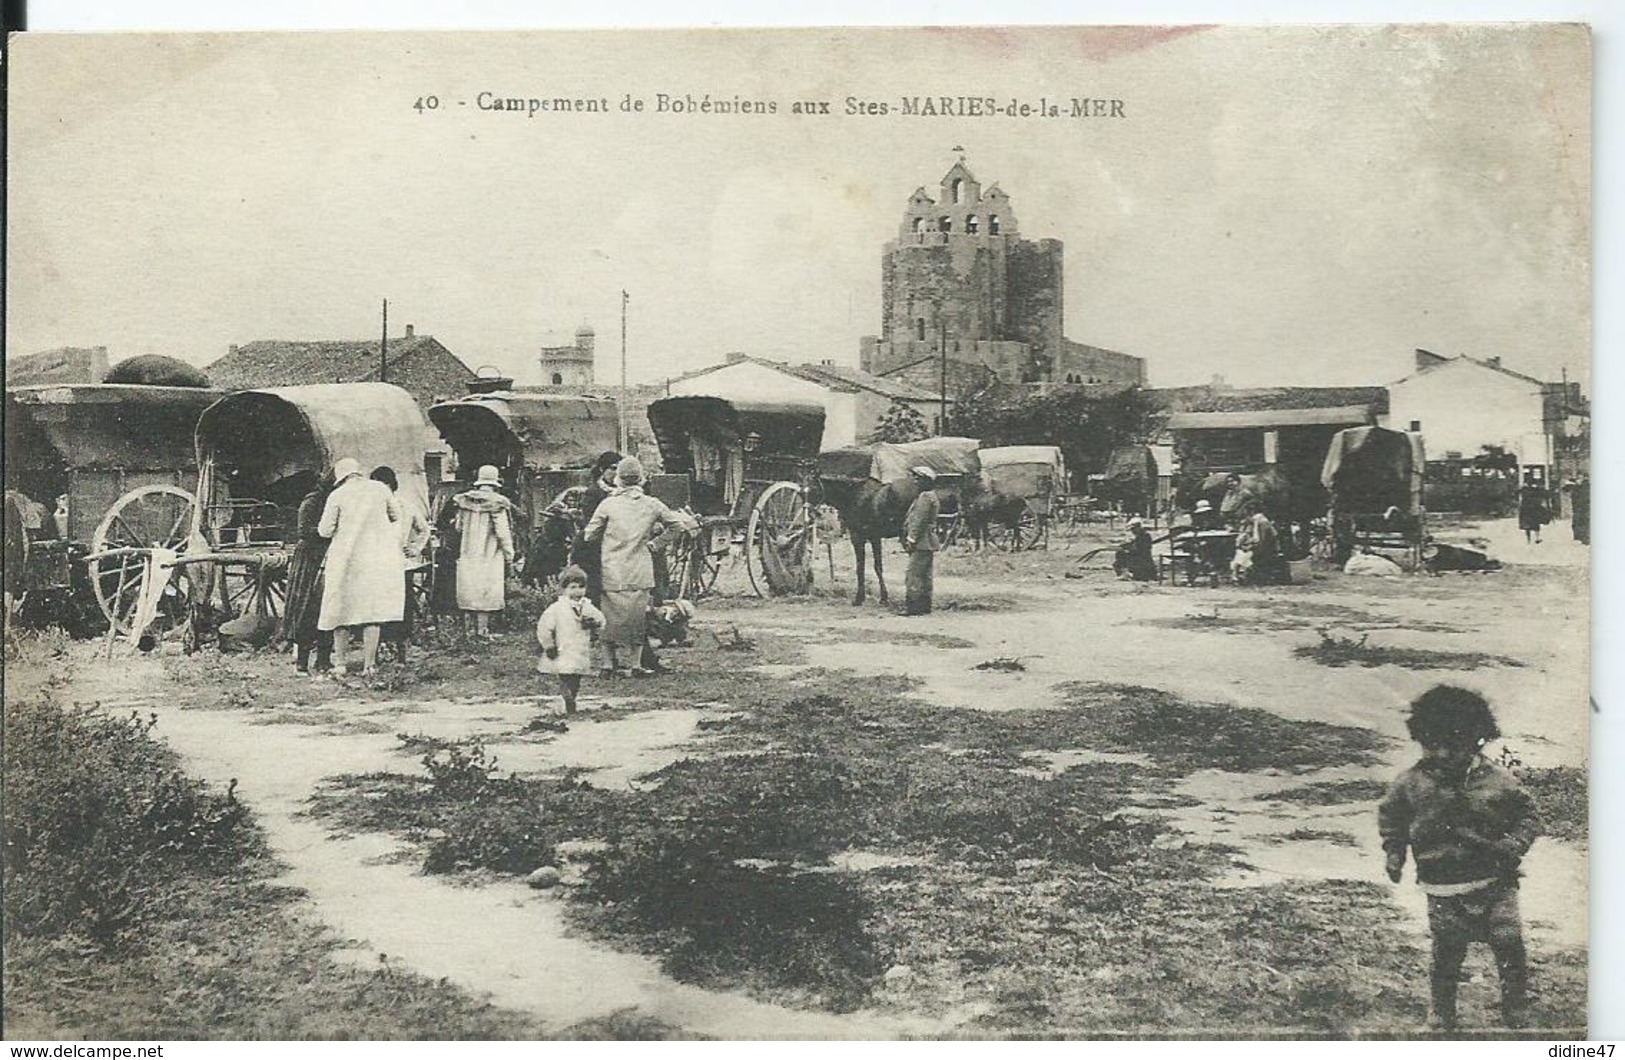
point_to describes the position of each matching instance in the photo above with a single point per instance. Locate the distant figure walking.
(566, 632)
(624, 523)
(485, 533)
(921, 542)
(1532, 512)
(302, 608)
(364, 588)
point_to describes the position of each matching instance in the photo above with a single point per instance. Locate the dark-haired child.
(566, 631)
(1468, 823)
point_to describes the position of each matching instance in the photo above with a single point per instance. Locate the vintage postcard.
(838, 533)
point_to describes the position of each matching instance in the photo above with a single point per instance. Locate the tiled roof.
(835, 377)
(278, 362)
(1267, 399)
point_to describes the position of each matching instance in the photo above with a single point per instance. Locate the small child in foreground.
(1468, 823)
(566, 631)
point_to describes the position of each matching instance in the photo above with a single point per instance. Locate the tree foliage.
(901, 423)
(1086, 424)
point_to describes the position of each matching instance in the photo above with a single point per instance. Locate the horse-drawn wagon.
(1375, 477)
(75, 456)
(749, 472)
(1022, 487)
(192, 558)
(544, 445)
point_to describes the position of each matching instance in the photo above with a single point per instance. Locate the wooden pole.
(942, 394)
(383, 347)
(620, 406)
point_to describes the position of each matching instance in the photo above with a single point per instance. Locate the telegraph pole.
(383, 346)
(620, 406)
(942, 387)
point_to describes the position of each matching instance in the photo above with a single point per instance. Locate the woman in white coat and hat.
(485, 536)
(364, 586)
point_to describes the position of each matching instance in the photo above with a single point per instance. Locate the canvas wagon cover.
(782, 428)
(955, 457)
(1031, 471)
(548, 430)
(373, 423)
(1372, 469)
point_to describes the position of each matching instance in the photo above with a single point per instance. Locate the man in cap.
(921, 542)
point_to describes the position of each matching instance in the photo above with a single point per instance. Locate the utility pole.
(942, 391)
(620, 406)
(383, 347)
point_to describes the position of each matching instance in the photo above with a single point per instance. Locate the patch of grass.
(137, 905)
(1560, 795)
(1330, 793)
(1002, 664)
(721, 869)
(1189, 736)
(1334, 650)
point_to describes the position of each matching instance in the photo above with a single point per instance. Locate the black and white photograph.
(973, 533)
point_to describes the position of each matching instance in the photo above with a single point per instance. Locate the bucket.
(1298, 571)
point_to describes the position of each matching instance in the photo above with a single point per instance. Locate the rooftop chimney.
(410, 331)
(1493, 362)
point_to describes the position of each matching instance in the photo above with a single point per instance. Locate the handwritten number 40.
(426, 103)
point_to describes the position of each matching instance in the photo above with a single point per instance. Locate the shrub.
(98, 822)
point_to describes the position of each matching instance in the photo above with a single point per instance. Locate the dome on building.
(585, 331)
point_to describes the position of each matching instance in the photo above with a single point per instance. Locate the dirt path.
(501, 938)
(1215, 645)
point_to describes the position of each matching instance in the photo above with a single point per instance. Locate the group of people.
(1250, 554)
(357, 545)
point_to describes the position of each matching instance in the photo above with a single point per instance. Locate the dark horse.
(871, 512)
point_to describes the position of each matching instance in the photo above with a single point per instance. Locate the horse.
(871, 512)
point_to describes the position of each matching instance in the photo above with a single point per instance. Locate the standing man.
(921, 542)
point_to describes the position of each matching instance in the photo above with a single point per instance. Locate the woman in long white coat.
(365, 584)
(485, 536)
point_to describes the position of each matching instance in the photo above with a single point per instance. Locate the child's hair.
(1446, 714)
(571, 574)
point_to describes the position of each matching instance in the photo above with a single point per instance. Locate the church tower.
(570, 367)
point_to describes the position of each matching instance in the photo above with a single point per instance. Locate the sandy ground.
(1223, 645)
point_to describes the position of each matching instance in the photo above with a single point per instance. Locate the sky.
(1288, 206)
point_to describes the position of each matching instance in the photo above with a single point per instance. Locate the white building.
(1461, 404)
(854, 401)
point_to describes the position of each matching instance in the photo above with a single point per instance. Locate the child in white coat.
(566, 631)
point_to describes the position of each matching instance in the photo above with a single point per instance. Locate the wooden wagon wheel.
(780, 539)
(1023, 531)
(145, 518)
(693, 568)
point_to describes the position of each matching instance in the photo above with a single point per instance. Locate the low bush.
(98, 819)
